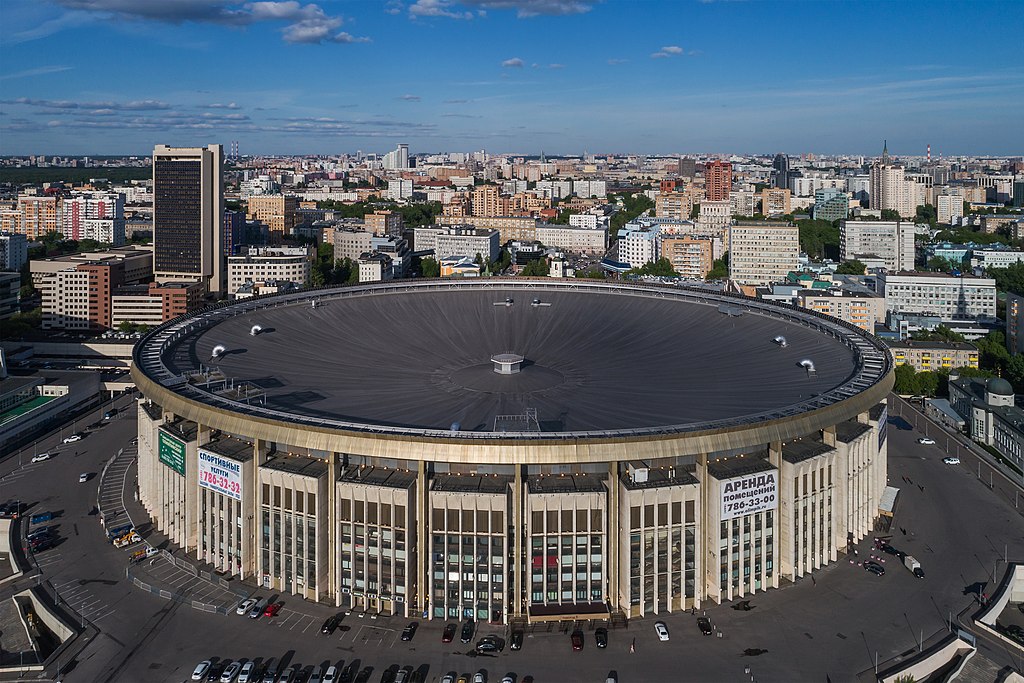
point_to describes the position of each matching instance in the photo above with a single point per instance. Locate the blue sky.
(521, 76)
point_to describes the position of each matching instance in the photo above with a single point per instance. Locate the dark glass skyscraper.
(781, 173)
(188, 215)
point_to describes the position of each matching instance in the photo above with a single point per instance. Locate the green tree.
(852, 267)
(719, 268)
(1009, 279)
(927, 214)
(660, 268)
(1015, 372)
(695, 211)
(940, 333)
(429, 267)
(941, 264)
(538, 268)
(906, 381)
(992, 353)
(928, 383)
(819, 239)
(592, 273)
(890, 215)
(633, 205)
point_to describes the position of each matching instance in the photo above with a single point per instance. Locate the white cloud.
(667, 51)
(410, 98)
(436, 8)
(514, 63)
(37, 71)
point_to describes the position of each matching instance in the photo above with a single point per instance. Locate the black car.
(364, 675)
(874, 568)
(888, 549)
(467, 631)
(488, 644)
(330, 625)
(516, 642)
(449, 633)
(601, 636)
(216, 669)
(704, 624)
(409, 631)
(348, 674)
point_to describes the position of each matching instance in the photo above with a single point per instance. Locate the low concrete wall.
(117, 350)
(52, 621)
(1011, 589)
(7, 551)
(919, 669)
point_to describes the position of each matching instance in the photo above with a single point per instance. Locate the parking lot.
(834, 625)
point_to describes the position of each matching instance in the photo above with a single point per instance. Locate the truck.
(913, 565)
(40, 518)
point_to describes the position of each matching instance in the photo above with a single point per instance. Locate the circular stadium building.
(512, 449)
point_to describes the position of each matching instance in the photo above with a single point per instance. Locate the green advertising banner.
(172, 452)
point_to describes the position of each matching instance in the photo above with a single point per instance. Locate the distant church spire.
(885, 152)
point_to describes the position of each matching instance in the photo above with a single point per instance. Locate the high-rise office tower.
(717, 180)
(188, 215)
(781, 172)
(397, 158)
(889, 186)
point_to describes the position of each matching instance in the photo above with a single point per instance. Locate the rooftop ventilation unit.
(537, 303)
(507, 302)
(780, 340)
(218, 351)
(807, 365)
(256, 329)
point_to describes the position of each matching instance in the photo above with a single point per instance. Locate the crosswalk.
(112, 488)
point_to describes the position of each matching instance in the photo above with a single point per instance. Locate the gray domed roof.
(999, 386)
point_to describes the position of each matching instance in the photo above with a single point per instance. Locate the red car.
(577, 640)
(272, 609)
(449, 633)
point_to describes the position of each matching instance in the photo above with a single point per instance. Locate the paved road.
(833, 625)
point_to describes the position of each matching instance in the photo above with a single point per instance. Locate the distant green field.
(33, 175)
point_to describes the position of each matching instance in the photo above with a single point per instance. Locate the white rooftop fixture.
(218, 351)
(256, 329)
(780, 340)
(807, 365)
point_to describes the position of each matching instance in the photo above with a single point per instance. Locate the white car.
(331, 675)
(662, 630)
(926, 441)
(40, 457)
(73, 438)
(245, 675)
(202, 668)
(244, 606)
(508, 679)
(951, 460)
(230, 672)
(83, 477)
(480, 677)
(448, 678)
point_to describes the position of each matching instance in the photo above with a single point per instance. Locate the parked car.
(409, 631)
(72, 439)
(467, 631)
(289, 674)
(216, 669)
(516, 642)
(248, 673)
(245, 606)
(704, 624)
(331, 675)
(661, 630)
(270, 671)
(577, 640)
(316, 675)
(40, 518)
(448, 677)
(199, 673)
(257, 610)
(449, 633)
(330, 625)
(40, 457)
(272, 609)
(83, 477)
(509, 678)
(601, 636)
(874, 568)
(486, 646)
(230, 672)
(480, 676)
(951, 460)
(926, 441)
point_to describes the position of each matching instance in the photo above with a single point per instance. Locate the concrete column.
(519, 526)
(613, 537)
(333, 579)
(422, 542)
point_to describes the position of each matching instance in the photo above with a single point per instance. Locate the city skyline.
(509, 75)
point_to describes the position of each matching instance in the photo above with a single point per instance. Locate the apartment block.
(351, 242)
(458, 240)
(717, 180)
(691, 257)
(678, 205)
(154, 303)
(384, 223)
(762, 252)
(260, 264)
(277, 211)
(933, 356)
(775, 201)
(10, 294)
(39, 215)
(862, 310)
(13, 251)
(890, 241)
(510, 228)
(94, 215)
(938, 294)
(576, 240)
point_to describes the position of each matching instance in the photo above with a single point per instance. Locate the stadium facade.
(512, 449)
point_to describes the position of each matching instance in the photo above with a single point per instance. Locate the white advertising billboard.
(749, 494)
(220, 474)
